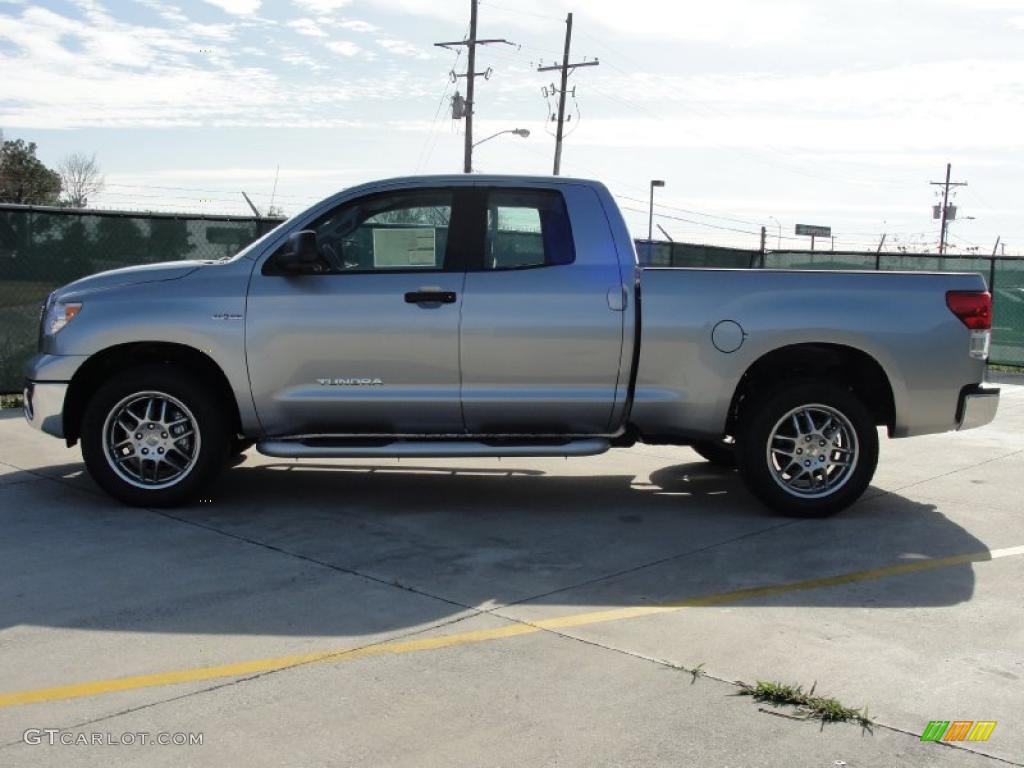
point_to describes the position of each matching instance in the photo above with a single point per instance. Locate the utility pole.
(471, 75)
(764, 236)
(566, 69)
(945, 204)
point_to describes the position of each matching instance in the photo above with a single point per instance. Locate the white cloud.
(344, 47)
(321, 6)
(307, 27)
(121, 74)
(238, 7)
(357, 25)
(734, 23)
(299, 59)
(402, 48)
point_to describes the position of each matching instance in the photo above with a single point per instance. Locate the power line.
(693, 212)
(690, 103)
(202, 189)
(692, 221)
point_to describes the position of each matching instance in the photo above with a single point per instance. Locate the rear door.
(542, 314)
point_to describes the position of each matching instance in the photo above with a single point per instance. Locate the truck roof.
(459, 179)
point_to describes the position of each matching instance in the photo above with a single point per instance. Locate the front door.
(369, 344)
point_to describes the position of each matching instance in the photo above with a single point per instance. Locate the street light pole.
(650, 215)
(524, 132)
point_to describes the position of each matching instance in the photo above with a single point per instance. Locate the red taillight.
(974, 308)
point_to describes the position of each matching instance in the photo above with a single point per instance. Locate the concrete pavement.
(479, 593)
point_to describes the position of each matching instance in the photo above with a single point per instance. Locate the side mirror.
(300, 254)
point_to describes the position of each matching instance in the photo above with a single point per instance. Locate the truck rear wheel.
(809, 450)
(154, 436)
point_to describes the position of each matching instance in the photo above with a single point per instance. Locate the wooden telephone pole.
(471, 75)
(945, 205)
(566, 69)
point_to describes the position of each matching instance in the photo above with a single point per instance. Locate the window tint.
(389, 232)
(527, 228)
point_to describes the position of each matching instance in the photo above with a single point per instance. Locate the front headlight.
(58, 314)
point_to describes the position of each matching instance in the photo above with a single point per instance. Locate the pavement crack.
(734, 684)
(651, 564)
(916, 483)
(256, 676)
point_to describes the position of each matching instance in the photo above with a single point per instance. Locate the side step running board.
(298, 449)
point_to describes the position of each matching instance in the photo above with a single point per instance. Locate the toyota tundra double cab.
(499, 316)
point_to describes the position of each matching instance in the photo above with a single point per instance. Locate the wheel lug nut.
(821, 443)
(821, 458)
(808, 438)
(799, 450)
(138, 435)
(164, 436)
(160, 450)
(145, 451)
(807, 463)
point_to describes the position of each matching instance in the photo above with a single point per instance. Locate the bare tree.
(80, 179)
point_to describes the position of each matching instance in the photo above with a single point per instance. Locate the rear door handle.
(430, 297)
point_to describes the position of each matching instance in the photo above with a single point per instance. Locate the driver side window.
(390, 232)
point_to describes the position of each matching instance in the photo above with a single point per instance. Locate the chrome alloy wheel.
(812, 451)
(151, 440)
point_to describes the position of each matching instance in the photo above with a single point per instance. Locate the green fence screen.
(1005, 275)
(44, 248)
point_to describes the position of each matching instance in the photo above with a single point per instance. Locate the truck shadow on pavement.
(319, 549)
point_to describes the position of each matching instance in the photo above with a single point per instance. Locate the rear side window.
(527, 228)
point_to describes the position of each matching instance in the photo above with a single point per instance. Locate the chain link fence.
(1004, 274)
(44, 248)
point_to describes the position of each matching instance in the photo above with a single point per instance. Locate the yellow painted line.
(257, 666)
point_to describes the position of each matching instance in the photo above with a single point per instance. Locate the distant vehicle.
(499, 316)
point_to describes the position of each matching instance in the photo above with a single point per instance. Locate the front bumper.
(44, 405)
(978, 407)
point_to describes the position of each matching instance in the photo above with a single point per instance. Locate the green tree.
(23, 178)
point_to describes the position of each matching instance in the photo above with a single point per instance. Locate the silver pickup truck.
(499, 316)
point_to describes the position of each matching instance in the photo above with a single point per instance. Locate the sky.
(754, 112)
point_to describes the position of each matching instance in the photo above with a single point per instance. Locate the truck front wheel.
(808, 450)
(153, 436)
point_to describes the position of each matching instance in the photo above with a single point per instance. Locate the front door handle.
(430, 297)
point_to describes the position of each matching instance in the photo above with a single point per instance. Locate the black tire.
(758, 423)
(717, 452)
(201, 464)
